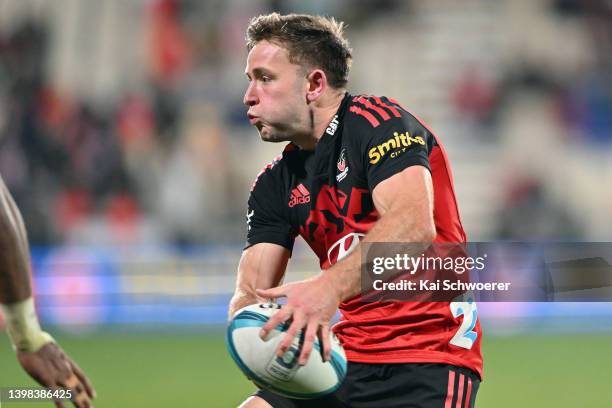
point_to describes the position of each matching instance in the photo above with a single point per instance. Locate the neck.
(321, 113)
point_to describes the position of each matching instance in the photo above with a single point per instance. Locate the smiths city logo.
(342, 166)
(299, 195)
(398, 144)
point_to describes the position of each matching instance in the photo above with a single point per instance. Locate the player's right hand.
(52, 368)
(311, 304)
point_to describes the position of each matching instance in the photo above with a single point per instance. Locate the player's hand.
(311, 304)
(52, 368)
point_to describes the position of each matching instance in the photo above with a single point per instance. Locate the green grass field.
(194, 370)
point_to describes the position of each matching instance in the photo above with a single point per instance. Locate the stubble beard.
(287, 131)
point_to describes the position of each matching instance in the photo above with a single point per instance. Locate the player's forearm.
(261, 266)
(14, 252)
(245, 293)
(395, 226)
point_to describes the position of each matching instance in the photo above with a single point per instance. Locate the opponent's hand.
(52, 368)
(311, 304)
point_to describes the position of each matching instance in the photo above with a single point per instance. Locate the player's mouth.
(253, 119)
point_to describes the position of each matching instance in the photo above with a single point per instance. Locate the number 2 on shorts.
(465, 336)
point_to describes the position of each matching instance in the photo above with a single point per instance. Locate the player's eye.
(265, 79)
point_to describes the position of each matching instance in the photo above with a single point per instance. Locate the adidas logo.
(299, 195)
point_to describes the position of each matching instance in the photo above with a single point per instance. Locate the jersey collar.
(334, 127)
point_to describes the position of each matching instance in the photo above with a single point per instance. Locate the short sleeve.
(394, 145)
(265, 217)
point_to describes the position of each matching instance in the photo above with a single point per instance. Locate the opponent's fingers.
(325, 342)
(277, 318)
(82, 400)
(84, 380)
(79, 398)
(297, 324)
(74, 384)
(309, 338)
(59, 404)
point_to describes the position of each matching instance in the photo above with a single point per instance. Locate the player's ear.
(317, 84)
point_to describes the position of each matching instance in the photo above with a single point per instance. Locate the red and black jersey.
(325, 196)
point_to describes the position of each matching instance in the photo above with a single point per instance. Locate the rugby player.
(39, 355)
(357, 168)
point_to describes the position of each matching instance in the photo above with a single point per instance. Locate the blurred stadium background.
(125, 143)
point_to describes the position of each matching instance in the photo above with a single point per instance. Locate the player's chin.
(267, 135)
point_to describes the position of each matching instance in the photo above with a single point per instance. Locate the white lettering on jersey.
(351, 239)
(249, 215)
(332, 127)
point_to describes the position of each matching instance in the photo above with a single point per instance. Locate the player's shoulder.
(378, 115)
(373, 112)
(274, 172)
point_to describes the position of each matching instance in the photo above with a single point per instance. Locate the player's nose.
(250, 97)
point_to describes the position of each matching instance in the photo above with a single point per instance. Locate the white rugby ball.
(282, 375)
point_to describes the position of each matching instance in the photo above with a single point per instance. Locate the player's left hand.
(52, 368)
(311, 304)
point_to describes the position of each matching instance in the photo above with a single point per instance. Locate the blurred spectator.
(475, 97)
(530, 214)
(169, 48)
(588, 106)
(193, 188)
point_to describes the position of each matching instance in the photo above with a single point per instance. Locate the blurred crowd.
(153, 144)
